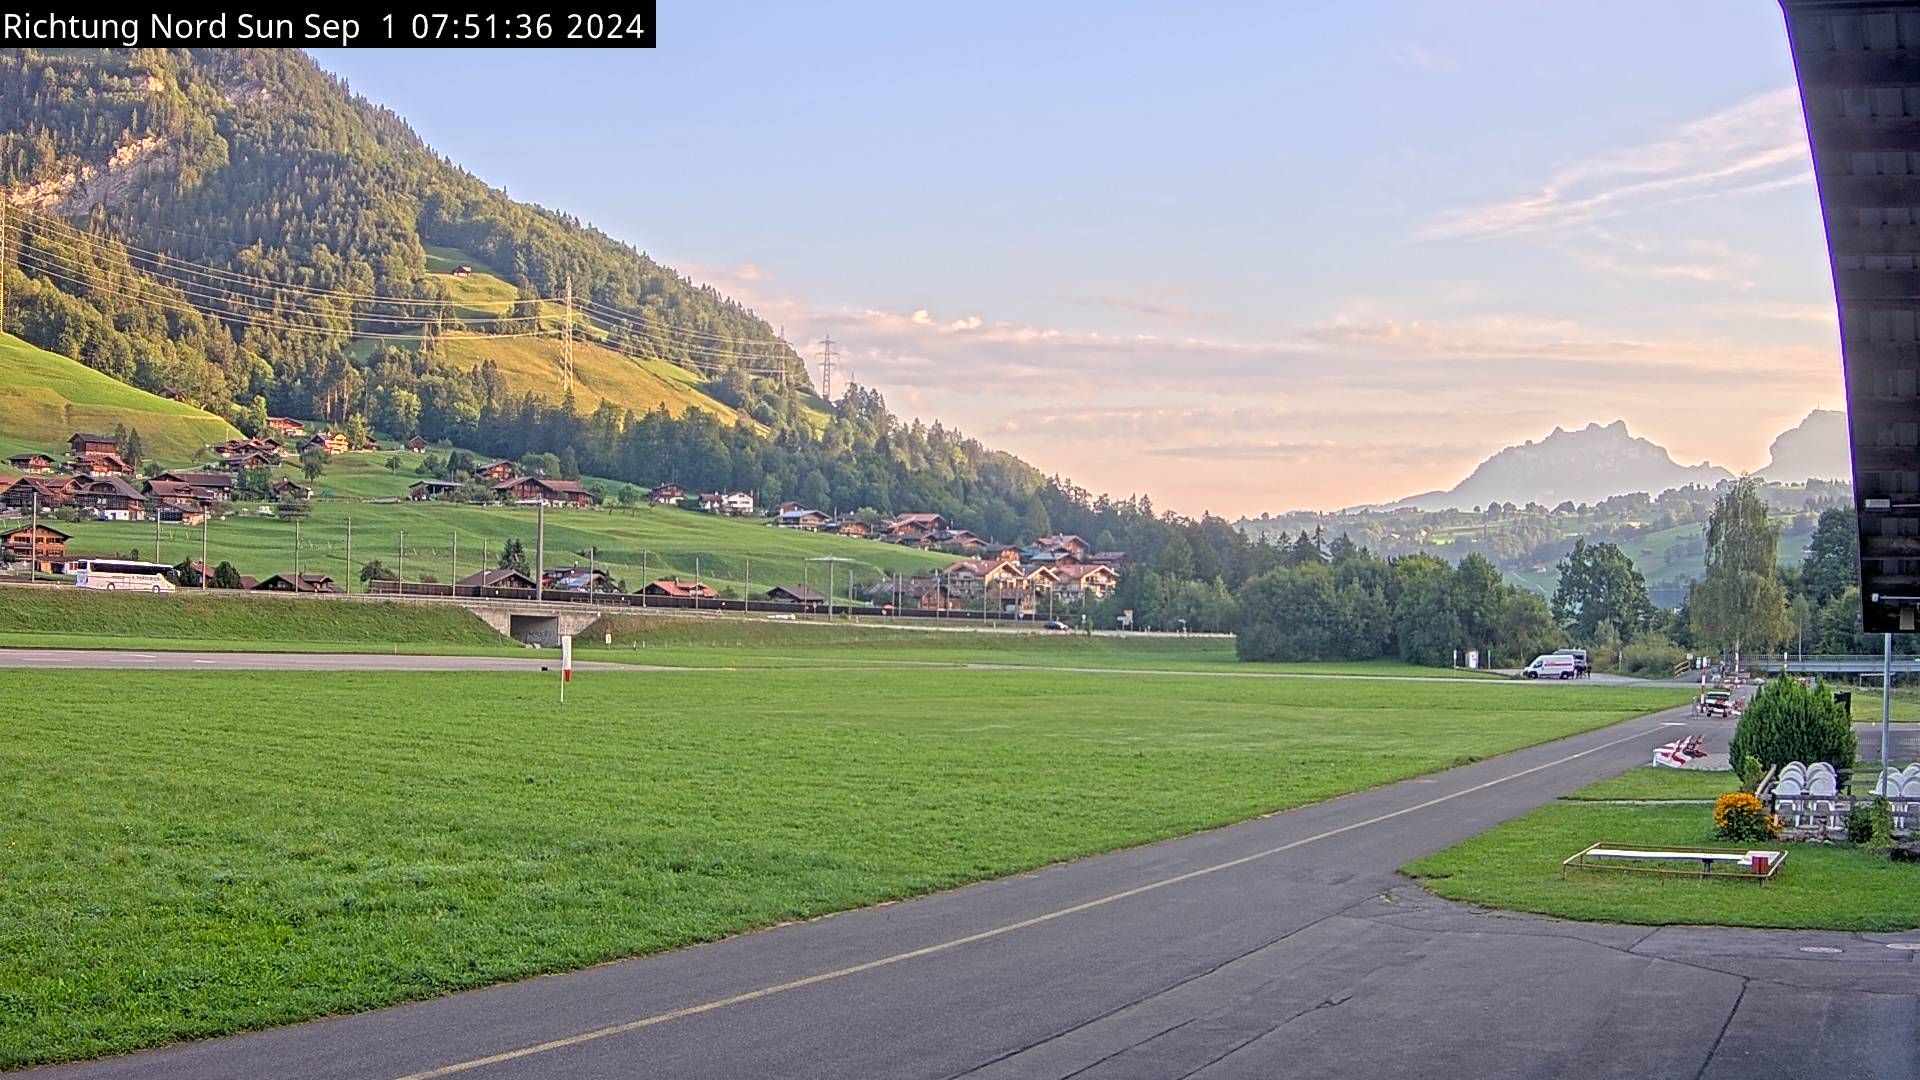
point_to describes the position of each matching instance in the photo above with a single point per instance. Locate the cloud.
(1757, 145)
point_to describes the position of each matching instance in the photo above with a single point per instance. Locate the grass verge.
(1516, 866)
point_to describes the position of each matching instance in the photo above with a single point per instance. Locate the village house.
(935, 597)
(958, 541)
(731, 503)
(110, 498)
(208, 486)
(31, 463)
(972, 577)
(429, 490)
(285, 426)
(286, 490)
(248, 459)
(666, 494)
(242, 446)
(175, 493)
(496, 579)
(801, 518)
(417, 445)
(795, 594)
(1082, 580)
(37, 545)
(1071, 544)
(327, 442)
(298, 583)
(915, 525)
(578, 579)
(50, 492)
(849, 527)
(81, 444)
(177, 514)
(100, 464)
(542, 490)
(1110, 559)
(462, 271)
(497, 470)
(674, 587)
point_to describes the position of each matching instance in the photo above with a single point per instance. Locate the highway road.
(1284, 946)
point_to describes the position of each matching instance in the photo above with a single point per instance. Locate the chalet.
(254, 445)
(210, 486)
(171, 394)
(666, 494)
(915, 523)
(103, 464)
(542, 490)
(35, 544)
(83, 444)
(800, 518)
(327, 442)
(1006, 554)
(1082, 579)
(795, 594)
(31, 463)
(429, 490)
(281, 425)
(577, 579)
(1111, 559)
(416, 445)
(731, 503)
(972, 577)
(47, 491)
(674, 587)
(1049, 556)
(935, 597)
(285, 490)
(790, 505)
(463, 270)
(177, 514)
(849, 527)
(958, 541)
(248, 459)
(1073, 544)
(298, 583)
(497, 470)
(110, 498)
(176, 493)
(496, 579)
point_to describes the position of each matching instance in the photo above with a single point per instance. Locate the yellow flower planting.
(1740, 815)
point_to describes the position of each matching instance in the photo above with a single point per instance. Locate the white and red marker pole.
(566, 665)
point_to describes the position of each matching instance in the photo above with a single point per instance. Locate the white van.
(1552, 665)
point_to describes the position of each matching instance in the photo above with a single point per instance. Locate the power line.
(826, 367)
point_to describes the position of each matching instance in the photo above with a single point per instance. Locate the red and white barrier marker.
(566, 664)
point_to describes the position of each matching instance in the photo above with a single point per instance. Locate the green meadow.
(45, 397)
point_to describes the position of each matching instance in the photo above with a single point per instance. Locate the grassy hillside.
(45, 397)
(599, 374)
(636, 545)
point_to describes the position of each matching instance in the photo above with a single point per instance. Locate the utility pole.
(400, 572)
(540, 551)
(1886, 707)
(826, 368)
(749, 586)
(350, 557)
(156, 530)
(33, 568)
(453, 567)
(296, 548)
(205, 570)
(566, 341)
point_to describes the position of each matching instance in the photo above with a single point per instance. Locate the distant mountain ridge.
(1587, 465)
(1814, 449)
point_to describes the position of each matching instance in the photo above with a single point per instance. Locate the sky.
(1239, 257)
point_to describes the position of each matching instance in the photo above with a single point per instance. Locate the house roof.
(798, 592)
(796, 515)
(169, 489)
(35, 455)
(681, 588)
(493, 579)
(42, 528)
(199, 479)
(301, 582)
(917, 519)
(435, 485)
(81, 436)
(114, 485)
(558, 487)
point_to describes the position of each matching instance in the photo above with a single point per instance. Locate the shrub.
(1739, 815)
(1870, 824)
(1750, 772)
(1787, 721)
(1651, 655)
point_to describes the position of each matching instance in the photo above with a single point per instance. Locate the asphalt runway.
(1280, 947)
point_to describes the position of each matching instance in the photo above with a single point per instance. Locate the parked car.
(1551, 666)
(1055, 624)
(1716, 703)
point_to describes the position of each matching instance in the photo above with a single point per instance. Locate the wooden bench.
(1758, 864)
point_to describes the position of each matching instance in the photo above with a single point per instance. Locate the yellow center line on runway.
(985, 935)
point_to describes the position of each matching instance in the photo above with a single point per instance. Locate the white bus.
(121, 574)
